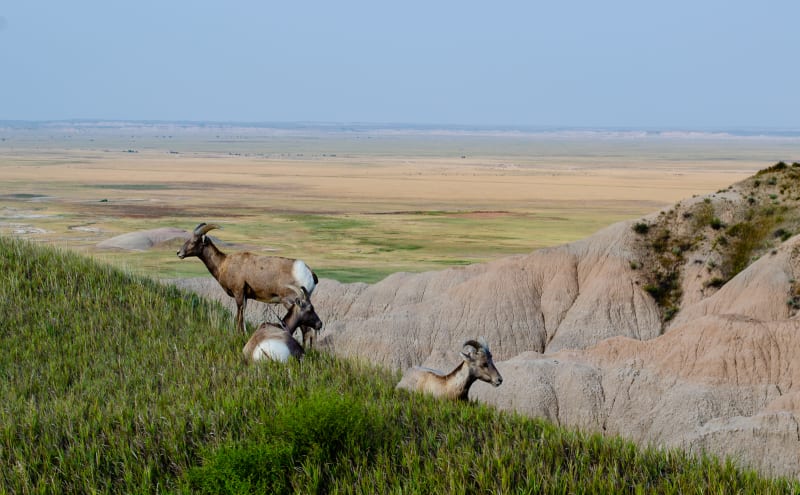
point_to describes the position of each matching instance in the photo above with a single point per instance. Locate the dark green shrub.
(328, 424)
(670, 313)
(661, 243)
(703, 214)
(782, 233)
(316, 430)
(641, 228)
(747, 237)
(775, 168)
(248, 468)
(666, 288)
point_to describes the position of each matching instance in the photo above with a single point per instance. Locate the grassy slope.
(113, 383)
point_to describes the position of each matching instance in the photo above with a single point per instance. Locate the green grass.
(113, 383)
(348, 275)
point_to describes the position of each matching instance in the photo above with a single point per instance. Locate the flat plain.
(356, 204)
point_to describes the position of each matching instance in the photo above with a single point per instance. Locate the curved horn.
(474, 343)
(202, 229)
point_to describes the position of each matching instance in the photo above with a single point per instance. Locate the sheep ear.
(287, 302)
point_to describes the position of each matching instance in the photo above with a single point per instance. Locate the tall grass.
(114, 384)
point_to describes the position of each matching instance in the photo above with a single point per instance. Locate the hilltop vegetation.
(114, 383)
(723, 232)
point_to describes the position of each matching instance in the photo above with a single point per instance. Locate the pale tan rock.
(143, 240)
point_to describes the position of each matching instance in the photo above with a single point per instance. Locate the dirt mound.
(677, 330)
(144, 240)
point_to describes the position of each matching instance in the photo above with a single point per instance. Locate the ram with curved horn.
(476, 364)
(244, 275)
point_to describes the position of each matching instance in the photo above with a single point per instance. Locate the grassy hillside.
(113, 383)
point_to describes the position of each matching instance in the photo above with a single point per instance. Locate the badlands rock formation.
(677, 330)
(144, 240)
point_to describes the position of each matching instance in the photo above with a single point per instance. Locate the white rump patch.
(302, 274)
(272, 349)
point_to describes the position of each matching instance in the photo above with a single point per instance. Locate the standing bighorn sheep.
(245, 275)
(273, 341)
(477, 364)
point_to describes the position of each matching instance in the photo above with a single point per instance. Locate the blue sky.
(678, 64)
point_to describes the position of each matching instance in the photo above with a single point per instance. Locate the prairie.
(355, 204)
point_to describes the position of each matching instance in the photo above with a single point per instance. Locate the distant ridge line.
(401, 129)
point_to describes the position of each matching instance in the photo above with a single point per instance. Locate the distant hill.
(183, 128)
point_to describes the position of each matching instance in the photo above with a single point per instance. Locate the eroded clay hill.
(676, 330)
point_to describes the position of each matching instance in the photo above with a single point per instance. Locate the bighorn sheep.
(275, 341)
(477, 365)
(245, 275)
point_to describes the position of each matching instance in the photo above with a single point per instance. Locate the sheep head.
(477, 356)
(194, 245)
(302, 311)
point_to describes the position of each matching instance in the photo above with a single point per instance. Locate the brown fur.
(244, 275)
(477, 364)
(300, 314)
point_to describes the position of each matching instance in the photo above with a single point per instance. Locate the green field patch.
(453, 262)
(327, 223)
(355, 274)
(387, 248)
(388, 244)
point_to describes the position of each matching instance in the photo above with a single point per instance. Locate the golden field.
(354, 205)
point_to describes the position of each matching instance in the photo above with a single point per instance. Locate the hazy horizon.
(401, 128)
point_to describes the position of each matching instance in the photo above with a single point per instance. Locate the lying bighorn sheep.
(273, 341)
(245, 275)
(477, 365)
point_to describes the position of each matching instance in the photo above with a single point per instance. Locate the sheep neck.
(292, 320)
(459, 381)
(212, 258)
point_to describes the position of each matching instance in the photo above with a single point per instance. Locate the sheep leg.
(241, 304)
(309, 336)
